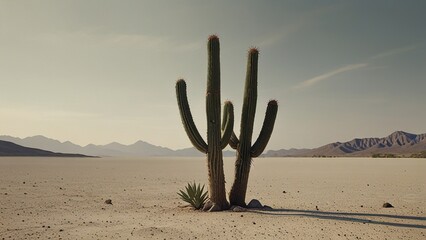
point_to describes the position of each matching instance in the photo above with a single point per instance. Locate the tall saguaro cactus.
(245, 150)
(215, 140)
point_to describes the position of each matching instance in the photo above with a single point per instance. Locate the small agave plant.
(194, 195)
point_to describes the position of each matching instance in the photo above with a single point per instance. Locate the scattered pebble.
(387, 205)
(238, 209)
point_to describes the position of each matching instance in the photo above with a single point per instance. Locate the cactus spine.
(243, 145)
(215, 140)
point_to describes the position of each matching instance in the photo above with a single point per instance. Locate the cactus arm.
(227, 124)
(186, 116)
(266, 131)
(233, 142)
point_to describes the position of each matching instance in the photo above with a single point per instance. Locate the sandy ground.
(63, 198)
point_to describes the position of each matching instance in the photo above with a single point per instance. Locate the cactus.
(246, 151)
(215, 141)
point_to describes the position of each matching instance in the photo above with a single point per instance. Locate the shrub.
(194, 195)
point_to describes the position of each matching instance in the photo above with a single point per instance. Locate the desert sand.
(64, 198)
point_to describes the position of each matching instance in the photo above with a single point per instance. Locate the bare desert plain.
(312, 198)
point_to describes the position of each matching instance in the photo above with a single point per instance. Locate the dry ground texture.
(64, 198)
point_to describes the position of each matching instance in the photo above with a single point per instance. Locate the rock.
(254, 203)
(108, 201)
(267, 208)
(238, 209)
(387, 205)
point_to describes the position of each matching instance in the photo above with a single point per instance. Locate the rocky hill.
(398, 143)
(11, 149)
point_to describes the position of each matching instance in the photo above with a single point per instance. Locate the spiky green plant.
(194, 194)
(245, 150)
(216, 141)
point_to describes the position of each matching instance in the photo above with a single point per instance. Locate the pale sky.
(103, 71)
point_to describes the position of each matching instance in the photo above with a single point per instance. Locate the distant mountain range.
(12, 149)
(137, 149)
(398, 143)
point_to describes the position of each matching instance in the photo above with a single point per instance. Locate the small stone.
(316, 207)
(238, 209)
(267, 208)
(284, 192)
(387, 205)
(254, 203)
(108, 201)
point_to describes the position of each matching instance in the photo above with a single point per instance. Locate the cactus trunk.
(243, 161)
(217, 193)
(243, 145)
(242, 171)
(215, 140)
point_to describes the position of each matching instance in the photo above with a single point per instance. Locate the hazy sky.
(103, 71)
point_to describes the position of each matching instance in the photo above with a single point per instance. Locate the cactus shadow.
(346, 216)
